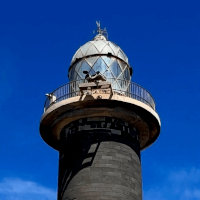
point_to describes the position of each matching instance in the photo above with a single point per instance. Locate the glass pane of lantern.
(123, 84)
(121, 77)
(107, 60)
(122, 64)
(115, 69)
(115, 86)
(91, 72)
(92, 60)
(78, 66)
(126, 74)
(75, 74)
(100, 66)
(109, 75)
(71, 74)
(78, 77)
(84, 67)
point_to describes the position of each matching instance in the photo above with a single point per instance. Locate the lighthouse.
(99, 122)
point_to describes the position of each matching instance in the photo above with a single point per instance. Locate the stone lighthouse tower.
(99, 122)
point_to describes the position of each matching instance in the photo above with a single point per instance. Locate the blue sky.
(37, 42)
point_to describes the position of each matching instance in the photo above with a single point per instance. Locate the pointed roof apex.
(101, 32)
(99, 37)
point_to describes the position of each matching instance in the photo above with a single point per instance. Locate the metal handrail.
(130, 89)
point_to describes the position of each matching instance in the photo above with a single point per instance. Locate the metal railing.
(126, 88)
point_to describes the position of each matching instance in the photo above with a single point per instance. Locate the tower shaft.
(99, 159)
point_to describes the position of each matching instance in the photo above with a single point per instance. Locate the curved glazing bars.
(133, 90)
(110, 67)
(99, 47)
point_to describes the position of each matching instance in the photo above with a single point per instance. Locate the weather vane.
(101, 31)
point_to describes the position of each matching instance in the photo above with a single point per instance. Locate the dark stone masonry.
(99, 159)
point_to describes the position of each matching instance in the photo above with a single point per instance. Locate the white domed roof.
(99, 45)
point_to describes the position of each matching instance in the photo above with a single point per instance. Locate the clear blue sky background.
(37, 42)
